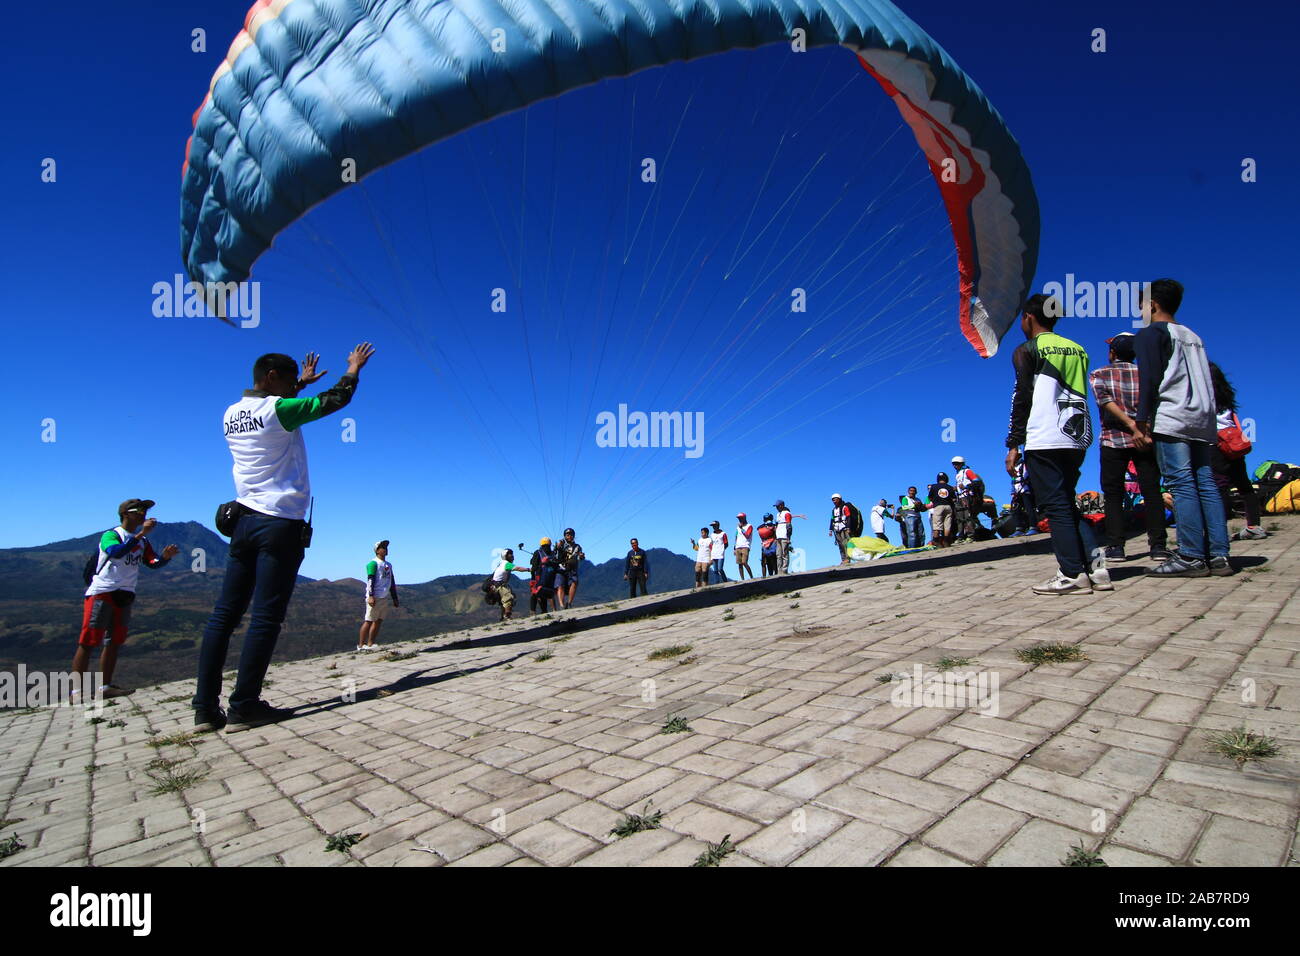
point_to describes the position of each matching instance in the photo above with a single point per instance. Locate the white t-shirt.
(114, 574)
(783, 525)
(704, 551)
(502, 574)
(383, 578)
(270, 462)
(743, 534)
(719, 545)
(878, 519)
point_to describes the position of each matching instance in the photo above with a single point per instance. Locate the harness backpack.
(490, 595)
(855, 520)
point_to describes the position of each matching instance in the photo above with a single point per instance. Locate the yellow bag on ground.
(1286, 501)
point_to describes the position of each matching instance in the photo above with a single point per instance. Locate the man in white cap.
(841, 529)
(380, 589)
(969, 501)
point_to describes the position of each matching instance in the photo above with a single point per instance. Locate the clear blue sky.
(476, 430)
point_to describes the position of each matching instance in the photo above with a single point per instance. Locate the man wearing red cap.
(744, 537)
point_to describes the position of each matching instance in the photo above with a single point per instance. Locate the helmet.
(768, 516)
(942, 476)
(958, 459)
(740, 515)
(543, 542)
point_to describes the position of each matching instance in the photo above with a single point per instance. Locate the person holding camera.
(267, 542)
(110, 592)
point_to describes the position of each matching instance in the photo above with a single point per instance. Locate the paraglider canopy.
(314, 95)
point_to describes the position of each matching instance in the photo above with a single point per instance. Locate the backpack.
(490, 595)
(546, 576)
(855, 520)
(91, 569)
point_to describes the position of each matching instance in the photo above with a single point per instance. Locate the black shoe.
(209, 721)
(1115, 553)
(1221, 567)
(1161, 555)
(257, 714)
(1181, 567)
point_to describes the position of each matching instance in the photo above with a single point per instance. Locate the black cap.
(134, 504)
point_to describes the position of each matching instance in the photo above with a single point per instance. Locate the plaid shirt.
(1116, 383)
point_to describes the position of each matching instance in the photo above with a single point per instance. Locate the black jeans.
(265, 554)
(632, 581)
(1231, 473)
(1054, 474)
(1114, 465)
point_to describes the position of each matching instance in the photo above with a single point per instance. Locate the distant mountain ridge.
(41, 592)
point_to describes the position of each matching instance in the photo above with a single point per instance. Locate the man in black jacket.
(636, 569)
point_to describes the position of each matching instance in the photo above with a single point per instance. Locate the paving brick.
(552, 844)
(974, 830)
(1165, 829)
(857, 843)
(1231, 842)
(1040, 843)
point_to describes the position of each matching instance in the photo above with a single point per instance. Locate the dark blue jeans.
(265, 554)
(913, 530)
(1198, 508)
(1053, 474)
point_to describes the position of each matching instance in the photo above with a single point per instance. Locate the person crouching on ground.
(380, 590)
(106, 609)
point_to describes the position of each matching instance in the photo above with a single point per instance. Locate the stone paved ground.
(485, 755)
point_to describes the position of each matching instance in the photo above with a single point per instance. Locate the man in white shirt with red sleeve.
(744, 538)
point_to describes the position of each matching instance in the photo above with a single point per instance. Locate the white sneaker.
(1062, 583)
(1100, 579)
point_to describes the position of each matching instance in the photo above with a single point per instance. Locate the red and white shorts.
(105, 616)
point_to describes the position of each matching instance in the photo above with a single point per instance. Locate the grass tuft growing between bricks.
(947, 662)
(175, 699)
(1079, 855)
(170, 776)
(716, 853)
(342, 842)
(1051, 653)
(676, 725)
(11, 846)
(543, 656)
(636, 823)
(395, 656)
(185, 738)
(1242, 745)
(671, 651)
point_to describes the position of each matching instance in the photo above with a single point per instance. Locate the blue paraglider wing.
(316, 94)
